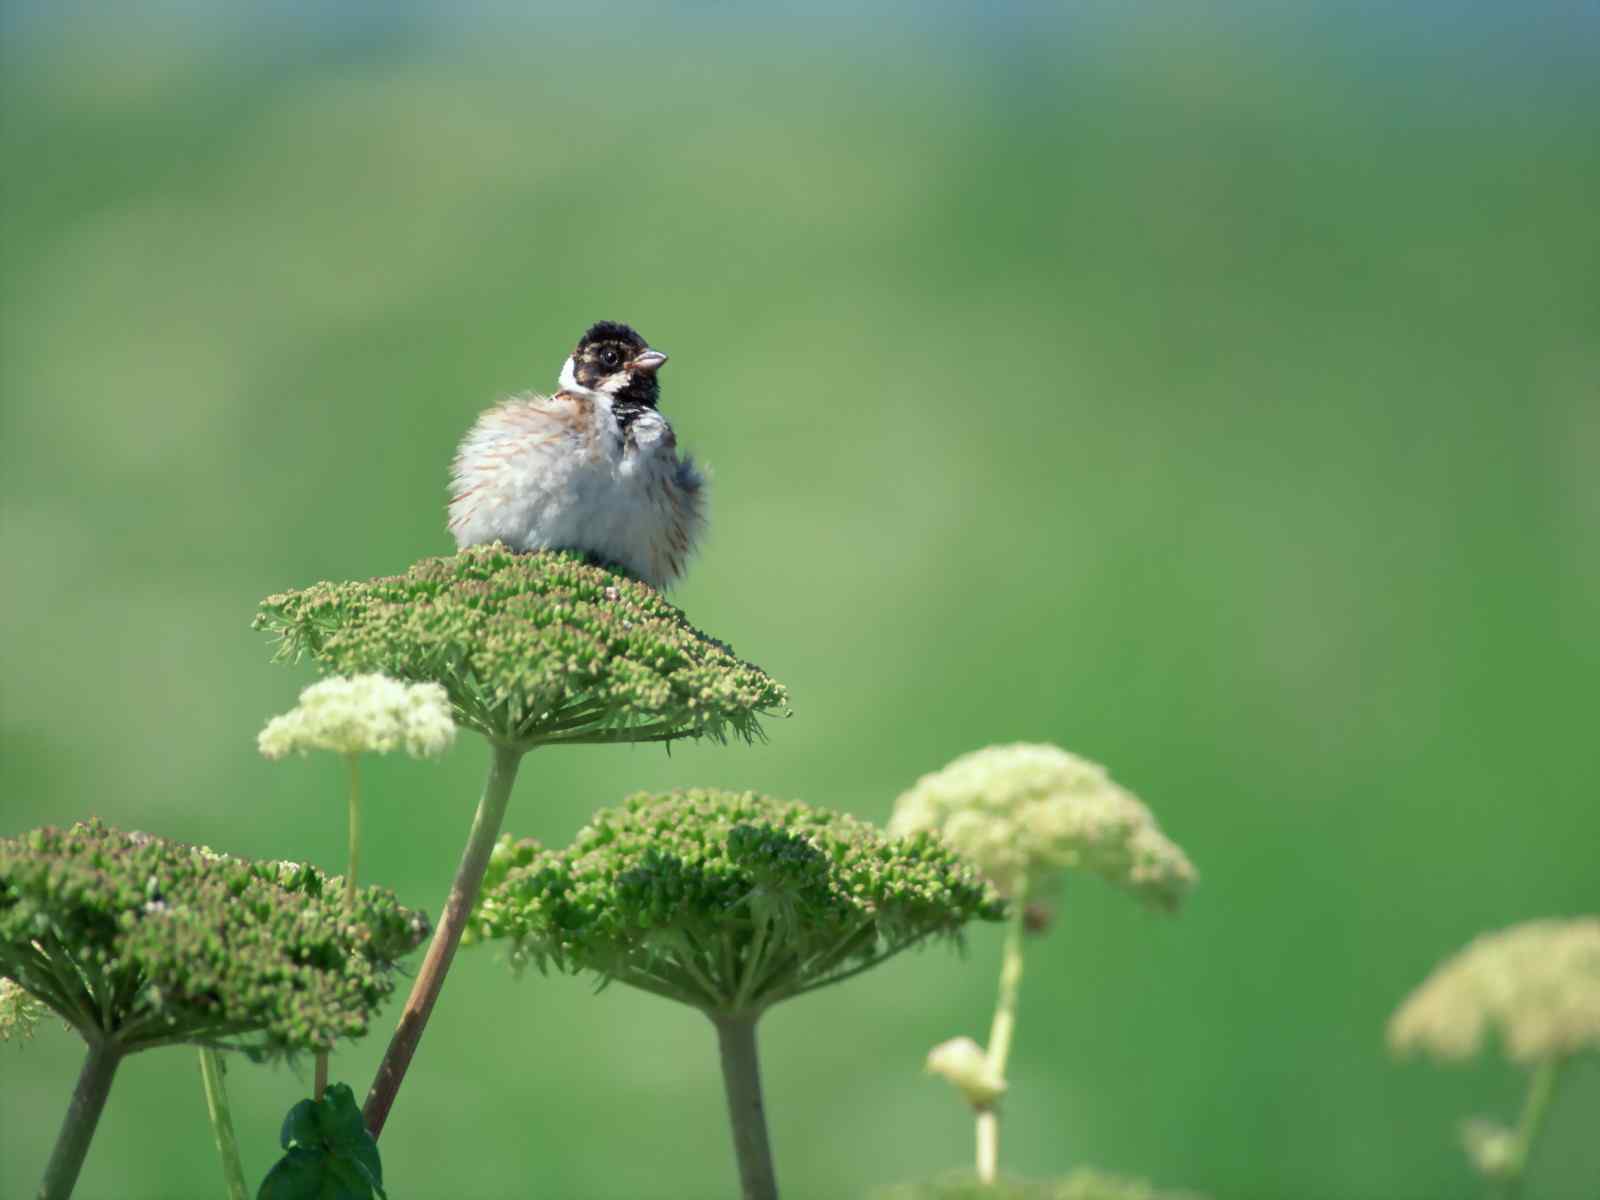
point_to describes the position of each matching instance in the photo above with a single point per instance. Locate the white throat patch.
(569, 376)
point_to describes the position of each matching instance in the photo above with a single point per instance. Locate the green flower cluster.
(533, 649)
(138, 941)
(726, 901)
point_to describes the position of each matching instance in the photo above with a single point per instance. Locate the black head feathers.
(612, 331)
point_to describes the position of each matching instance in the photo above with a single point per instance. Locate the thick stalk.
(1541, 1090)
(222, 1124)
(83, 1114)
(741, 1080)
(1000, 1033)
(452, 921)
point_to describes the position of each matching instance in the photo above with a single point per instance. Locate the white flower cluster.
(1536, 984)
(363, 713)
(1025, 813)
(19, 1011)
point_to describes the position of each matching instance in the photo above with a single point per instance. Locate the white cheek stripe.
(609, 387)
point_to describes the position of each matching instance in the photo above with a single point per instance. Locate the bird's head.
(613, 360)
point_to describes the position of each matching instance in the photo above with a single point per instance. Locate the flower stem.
(222, 1123)
(352, 867)
(741, 1079)
(354, 760)
(452, 921)
(83, 1114)
(1000, 1033)
(1541, 1090)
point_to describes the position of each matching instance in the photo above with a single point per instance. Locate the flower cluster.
(726, 901)
(361, 714)
(1537, 985)
(143, 942)
(19, 1012)
(532, 649)
(1025, 813)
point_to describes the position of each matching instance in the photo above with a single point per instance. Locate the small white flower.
(363, 713)
(1491, 1147)
(19, 1011)
(1025, 813)
(963, 1062)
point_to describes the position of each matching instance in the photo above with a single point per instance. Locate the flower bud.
(963, 1062)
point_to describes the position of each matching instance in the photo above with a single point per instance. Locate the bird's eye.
(609, 357)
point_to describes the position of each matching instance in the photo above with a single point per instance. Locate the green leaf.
(295, 1176)
(299, 1125)
(329, 1153)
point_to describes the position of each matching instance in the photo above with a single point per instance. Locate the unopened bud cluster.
(532, 649)
(141, 941)
(727, 901)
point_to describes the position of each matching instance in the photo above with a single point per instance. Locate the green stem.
(354, 760)
(752, 963)
(222, 1124)
(1000, 1034)
(1541, 1091)
(446, 937)
(319, 1085)
(83, 1114)
(741, 1080)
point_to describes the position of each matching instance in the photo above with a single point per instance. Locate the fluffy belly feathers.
(559, 473)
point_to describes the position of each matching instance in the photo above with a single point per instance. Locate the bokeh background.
(1211, 389)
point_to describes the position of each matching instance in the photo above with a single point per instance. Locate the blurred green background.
(1213, 390)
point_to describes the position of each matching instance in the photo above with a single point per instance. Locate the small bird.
(593, 468)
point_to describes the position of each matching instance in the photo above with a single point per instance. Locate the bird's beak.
(649, 362)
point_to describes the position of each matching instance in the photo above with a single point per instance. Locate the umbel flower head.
(727, 901)
(363, 713)
(1026, 813)
(532, 649)
(1536, 985)
(138, 941)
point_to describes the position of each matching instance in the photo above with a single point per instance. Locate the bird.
(593, 467)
